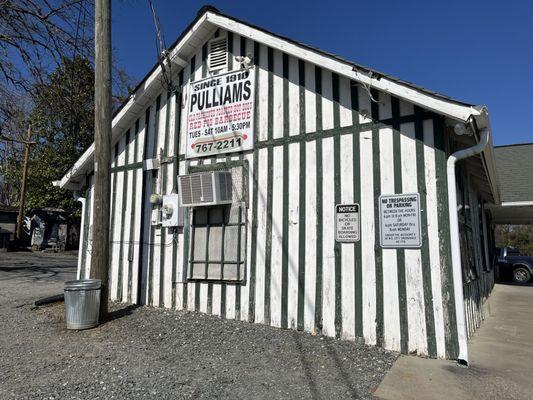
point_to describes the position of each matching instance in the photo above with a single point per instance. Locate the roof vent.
(205, 189)
(218, 54)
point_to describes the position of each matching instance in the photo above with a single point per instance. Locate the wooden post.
(102, 149)
(20, 218)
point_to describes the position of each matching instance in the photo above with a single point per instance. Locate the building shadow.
(306, 365)
(342, 371)
(120, 313)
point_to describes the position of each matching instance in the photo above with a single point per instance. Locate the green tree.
(518, 236)
(62, 123)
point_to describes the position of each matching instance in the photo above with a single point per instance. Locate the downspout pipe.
(83, 202)
(455, 241)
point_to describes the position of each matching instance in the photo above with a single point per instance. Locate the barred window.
(218, 243)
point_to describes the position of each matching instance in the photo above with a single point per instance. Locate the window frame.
(242, 206)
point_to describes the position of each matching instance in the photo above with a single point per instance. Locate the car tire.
(521, 275)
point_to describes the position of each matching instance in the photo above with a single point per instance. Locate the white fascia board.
(440, 106)
(150, 84)
(180, 61)
(78, 165)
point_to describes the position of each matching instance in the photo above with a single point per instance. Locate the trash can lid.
(83, 284)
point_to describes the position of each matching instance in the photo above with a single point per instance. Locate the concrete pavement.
(501, 358)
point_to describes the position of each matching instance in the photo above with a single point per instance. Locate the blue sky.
(480, 52)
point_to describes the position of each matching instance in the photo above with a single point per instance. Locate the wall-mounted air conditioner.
(205, 189)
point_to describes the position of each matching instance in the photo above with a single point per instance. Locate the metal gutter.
(83, 202)
(455, 240)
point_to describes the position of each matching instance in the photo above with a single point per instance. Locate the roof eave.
(152, 84)
(137, 100)
(416, 96)
(482, 121)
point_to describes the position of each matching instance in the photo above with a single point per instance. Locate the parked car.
(511, 263)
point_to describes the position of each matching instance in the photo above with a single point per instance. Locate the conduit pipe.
(83, 202)
(455, 241)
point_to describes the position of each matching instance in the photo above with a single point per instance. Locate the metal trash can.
(82, 303)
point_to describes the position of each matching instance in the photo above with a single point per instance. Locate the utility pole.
(20, 217)
(22, 199)
(102, 149)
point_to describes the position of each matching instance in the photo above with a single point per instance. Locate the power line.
(162, 52)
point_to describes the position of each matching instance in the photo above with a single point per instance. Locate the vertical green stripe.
(302, 200)
(209, 284)
(151, 280)
(151, 268)
(177, 123)
(242, 52)
(424, 251)
(451, 338)
(400, 253)
(132, 212)
(358, 277)
(285, 227)
(243, 46)
(337, 195)
(204, 60)
(224, 285)
(270, 156)
(239, 251)
(164, 172)
(319, 213)
(185, 243)
(253, 247)
(186, 216)
(197, 285)
(123, 218)
(230, 51)
(377, 247)
(143, 273)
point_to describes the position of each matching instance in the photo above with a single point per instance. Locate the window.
(512, 252)
(218, 232)
(218, 55)
(218, 245)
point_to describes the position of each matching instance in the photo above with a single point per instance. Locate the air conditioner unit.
(205, 189)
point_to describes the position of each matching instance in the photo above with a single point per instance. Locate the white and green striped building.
(325, 132)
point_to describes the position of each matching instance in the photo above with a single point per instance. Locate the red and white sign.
(220, 117)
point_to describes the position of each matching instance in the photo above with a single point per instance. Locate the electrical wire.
(367, 87)
(163, 55)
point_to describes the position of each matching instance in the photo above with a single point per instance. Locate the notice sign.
(399, 220)
(221, 114)
(347, 223)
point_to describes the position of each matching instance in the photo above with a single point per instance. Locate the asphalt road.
(145, 353)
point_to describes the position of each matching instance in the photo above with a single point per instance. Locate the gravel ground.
(144, 352)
